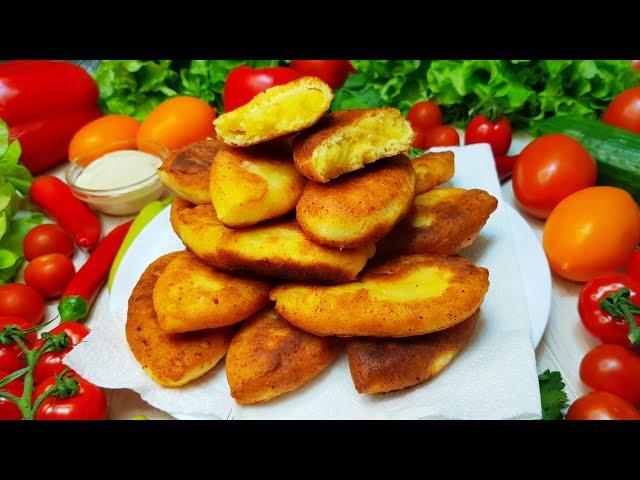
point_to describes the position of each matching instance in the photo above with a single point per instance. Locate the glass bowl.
(127, 199)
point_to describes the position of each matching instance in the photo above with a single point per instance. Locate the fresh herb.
(552, 394)
(15, 181)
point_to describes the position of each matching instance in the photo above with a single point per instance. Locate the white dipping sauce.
(117, 170)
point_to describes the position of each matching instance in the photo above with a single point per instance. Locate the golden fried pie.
(248, 187)
(360, 207)
(401, 297)
(380, 365)
(442, 221)
(347, 140)
(277, 111)
(269, 357)
(186, 170)
(432, 169)
(191, 295)
(171, 359)
(276, 249)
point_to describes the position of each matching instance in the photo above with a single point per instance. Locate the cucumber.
(616, 151)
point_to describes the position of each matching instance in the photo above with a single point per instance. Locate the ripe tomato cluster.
(426, 119)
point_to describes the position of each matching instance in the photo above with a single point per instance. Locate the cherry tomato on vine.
(548, 170)
(424, 116)
(45, 239)
(89, 403)
(21, 300)
(441, 136)
(8, 409)
(497, 134)
(614, 369)
(332, 72)
(11, 354)
(602, 406)
(624, 111)
(50, 364)
(50, 274)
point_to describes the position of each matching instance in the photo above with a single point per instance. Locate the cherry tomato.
(591, 232)
(8, 409)
(21, 300)
(11, 356)
(614, 369)
(424, 116)
(45, 239)
(333, 72)
(602, 406)
(441, 136)
(633, 267)
(608, 328)
(50, 364)
(498, 134)
(50, 274)
(243, 83)
(549, 169)
(89, 403)
(177, 122)
(636, 65)
(103, 135)
(624, 111)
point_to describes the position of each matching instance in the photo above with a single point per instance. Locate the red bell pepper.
(45, 102)
(85, 285)
(243, 83)
(56, 199)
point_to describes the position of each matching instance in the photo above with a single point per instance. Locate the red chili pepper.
(85, 285)
(57, 200)
(45, 102)
(45, 142)
(609, 308)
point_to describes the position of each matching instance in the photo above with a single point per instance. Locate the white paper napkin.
(494, 377)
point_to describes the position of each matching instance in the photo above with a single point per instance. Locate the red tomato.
(614, 369)
(243, 83)
(8, 409)
(636, 65)
(47, 238)
(549, 169)
(602, 406)
(624, 111)
(498, 134)
(89, 403)
(441, 136)
(11, 354)
(633, 267)
(50, 274)
(504, 165)
(21, 300)
(50, 364)
(424, 116)
(603, 325)
(333, 72)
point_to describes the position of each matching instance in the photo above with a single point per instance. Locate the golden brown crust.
(456, 218)
(251, 185)
(334, 127)
(171, 359)
(357, 208)
(400, 297)
(191, 295)
(432, 169)
(269, 357)
(186, 170)
(276, 112)
(380, 365)
(276, 249)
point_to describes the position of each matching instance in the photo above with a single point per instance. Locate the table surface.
(562, 347)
